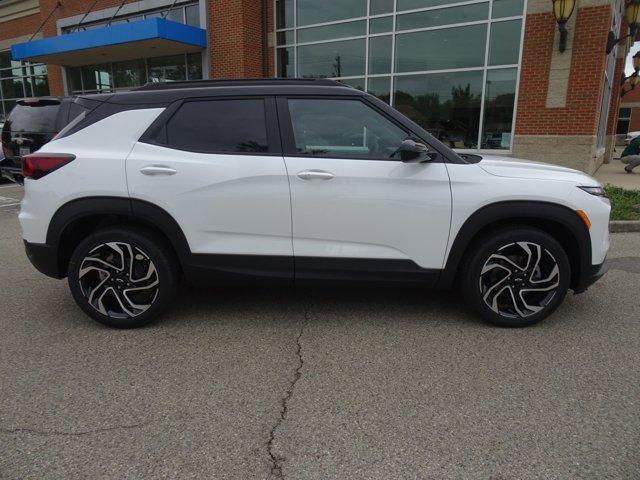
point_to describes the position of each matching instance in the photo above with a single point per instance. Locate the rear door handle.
(315, 175)
(158, 170)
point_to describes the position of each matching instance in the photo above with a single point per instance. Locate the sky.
(628, 69)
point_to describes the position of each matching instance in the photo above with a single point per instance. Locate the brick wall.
(581, 113)
(236, 38)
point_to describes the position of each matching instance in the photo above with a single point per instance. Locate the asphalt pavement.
(317, 384)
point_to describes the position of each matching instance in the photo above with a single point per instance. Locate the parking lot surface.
(317, 384)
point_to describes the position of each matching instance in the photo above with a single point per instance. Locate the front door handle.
(315, 175)
(158, 170)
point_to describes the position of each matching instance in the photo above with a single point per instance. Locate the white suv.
(297, 181)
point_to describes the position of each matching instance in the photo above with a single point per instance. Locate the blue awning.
(145, 38)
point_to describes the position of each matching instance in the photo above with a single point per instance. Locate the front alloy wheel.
(519, 280)
(516, 277)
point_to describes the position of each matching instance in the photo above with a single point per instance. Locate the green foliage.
(625, 204)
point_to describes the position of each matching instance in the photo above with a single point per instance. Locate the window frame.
(156, 134)
(288, 136)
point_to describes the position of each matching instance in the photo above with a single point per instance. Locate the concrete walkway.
(614, 174)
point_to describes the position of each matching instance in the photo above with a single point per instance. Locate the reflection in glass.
(443, 16)
(415, 4)
(313, 11)
(354, 82)
(441, 49)
(335, 59)
(129, 74)
(504, 46)
(381, 24)
(73, 79)
(192, 13)
(445, 104)
(500, 95)
(285, 67)
(97, 78)
(284, 14)
(507, 8)
(381, 6)
(330, 32)
(194, 66)
(286, 37)
(169, 68)
(380, 54)
(380, 87)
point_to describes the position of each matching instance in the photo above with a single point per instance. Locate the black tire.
(509, 293)
(122, 299)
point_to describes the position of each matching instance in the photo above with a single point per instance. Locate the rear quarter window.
(219, 126)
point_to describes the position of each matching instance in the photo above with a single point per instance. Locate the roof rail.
(239, 82)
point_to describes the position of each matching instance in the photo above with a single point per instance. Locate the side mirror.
(415, 152)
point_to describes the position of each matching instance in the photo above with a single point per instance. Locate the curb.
(624, 226)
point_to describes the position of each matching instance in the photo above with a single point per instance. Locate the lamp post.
(632, 15)
(634, 78)
(562, 10)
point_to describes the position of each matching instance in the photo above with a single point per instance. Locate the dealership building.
(481, 75)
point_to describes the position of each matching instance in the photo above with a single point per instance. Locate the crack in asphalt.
(72, 434)
(53, 433)
(276, 461)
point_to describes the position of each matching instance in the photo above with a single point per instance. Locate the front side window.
(219, 126)
(344, 129)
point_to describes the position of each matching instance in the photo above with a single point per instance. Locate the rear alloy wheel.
(517, 278)
(122, 278)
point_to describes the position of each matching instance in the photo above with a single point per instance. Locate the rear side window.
(38, 117)
(219, 126)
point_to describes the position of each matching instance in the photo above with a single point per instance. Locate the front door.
(357, 209)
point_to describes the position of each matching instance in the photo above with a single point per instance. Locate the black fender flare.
(136, 210)
(517, 211)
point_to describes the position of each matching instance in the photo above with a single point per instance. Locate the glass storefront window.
(378, 7)
(380, 87)
(170, 68)
(447, 105)
(339, 30)
(133, 73)
(313, 11)
(97, 78)
(499, 100)
(129, 74)
(507, 8)
(443, 16)
(380, 54)
(19, 80)
(335, 59)
(460, 47)
(429, 58)
(504, 46)
(381, 24)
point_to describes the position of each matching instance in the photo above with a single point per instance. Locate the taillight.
(37, 165)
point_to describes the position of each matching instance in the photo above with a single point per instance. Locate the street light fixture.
(562, 10)
(632, 15)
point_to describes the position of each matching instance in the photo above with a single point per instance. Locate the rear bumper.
(44, 258)
(591, 276)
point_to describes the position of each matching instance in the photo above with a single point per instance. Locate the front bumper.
(591, 276)
(44, 258)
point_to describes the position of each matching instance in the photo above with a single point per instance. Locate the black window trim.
(288, 137)
(152, 135)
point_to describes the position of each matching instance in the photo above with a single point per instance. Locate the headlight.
(597, 191)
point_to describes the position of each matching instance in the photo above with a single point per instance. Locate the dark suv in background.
(32, 123)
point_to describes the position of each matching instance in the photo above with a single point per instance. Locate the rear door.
(358, 211)
(216, 166)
